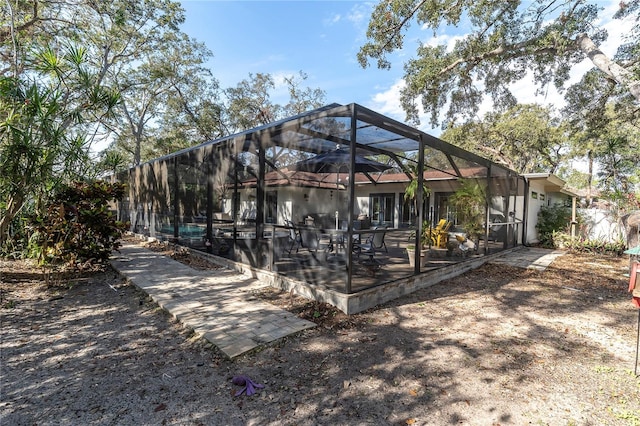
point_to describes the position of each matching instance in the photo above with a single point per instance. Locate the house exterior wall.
(296, 204)
(537, 199)
(363, 193)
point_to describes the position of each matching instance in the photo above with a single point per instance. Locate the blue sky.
(322, 38)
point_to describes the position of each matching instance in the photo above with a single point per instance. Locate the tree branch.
(393, 31)
(498, 51)
(611, 68)
(9, 32)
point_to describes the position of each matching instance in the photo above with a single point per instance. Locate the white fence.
(600, 225)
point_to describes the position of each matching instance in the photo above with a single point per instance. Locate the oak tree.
(525, 138)
(503, 42)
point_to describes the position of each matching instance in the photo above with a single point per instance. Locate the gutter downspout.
(525, 216)
(574, 223)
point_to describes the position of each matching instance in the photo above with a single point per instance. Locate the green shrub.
(470, 203)
(424, 236)
(77, 226)
(15, 246)
(552, 219)
(580, 244)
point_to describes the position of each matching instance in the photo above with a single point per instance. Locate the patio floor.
(314, 268)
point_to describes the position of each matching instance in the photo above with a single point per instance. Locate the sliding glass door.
(382, 209)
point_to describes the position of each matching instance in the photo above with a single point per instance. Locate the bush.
(424, 236)
(554, 232)
(552, 219)
(581, 244)
(15, 246)
(77, 226)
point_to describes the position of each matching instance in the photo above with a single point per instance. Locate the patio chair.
(309, 239)
(294, 236)
(441, 224)
(377, 239)
(357, 226)
(337, 241)
(440, 236)
(375, 242)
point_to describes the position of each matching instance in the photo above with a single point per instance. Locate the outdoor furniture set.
(309, 237)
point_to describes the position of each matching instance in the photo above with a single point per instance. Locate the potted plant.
(424, 236)
(411, 191)
(470, 203)
(424, 242)
(411, 253)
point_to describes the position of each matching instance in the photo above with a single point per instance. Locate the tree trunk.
(137, 153)
(14, 205)
(589, 176)
(621, 75)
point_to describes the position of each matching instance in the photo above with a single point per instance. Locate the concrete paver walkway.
(529, 258)
(216, 304)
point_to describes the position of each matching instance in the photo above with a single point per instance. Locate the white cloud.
(279, 78)
(280, 93)
(449, 41)
(526, 92)
(333, 20)
(387, 103)
(618, 30)
(359, 14)
(264, 62)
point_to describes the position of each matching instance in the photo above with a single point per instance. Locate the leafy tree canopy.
(505, 41)
(604, 131)
(617, 155)
(249, 104)
(43, 128)
(525, 138)
(59, 86)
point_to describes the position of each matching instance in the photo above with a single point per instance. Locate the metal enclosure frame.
(212, 197)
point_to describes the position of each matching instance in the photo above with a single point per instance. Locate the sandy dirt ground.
(495, 346)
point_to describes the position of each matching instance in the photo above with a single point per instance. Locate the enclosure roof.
(334, 126)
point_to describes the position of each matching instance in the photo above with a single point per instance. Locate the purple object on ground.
(249, 385)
